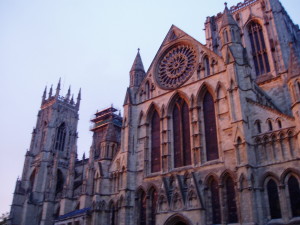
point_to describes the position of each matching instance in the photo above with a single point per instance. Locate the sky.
(89, 44)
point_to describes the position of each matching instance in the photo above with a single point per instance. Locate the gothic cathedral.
(210, 135)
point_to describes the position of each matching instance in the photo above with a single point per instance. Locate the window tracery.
(181, 134)
(60, 137)
(176, 66)
(259, 49)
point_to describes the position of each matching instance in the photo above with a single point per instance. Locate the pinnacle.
(137, 64)
(227, 18)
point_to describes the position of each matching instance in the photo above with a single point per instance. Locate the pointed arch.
(273, 198)
(153, 194)
(59, 182)
(206, 66)
(177, 219)
(230, 198)
(32, 179)
(141, 118)
(210, 129)
(147, 89)
(179, 111)
(294, 194)
(155, 143)
(141, 206)
(60, 137)
(258, 46)
(214, 200)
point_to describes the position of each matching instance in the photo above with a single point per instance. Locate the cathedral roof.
(227, 18)
(138, 64)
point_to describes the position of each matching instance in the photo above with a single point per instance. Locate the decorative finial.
(139, 50)
(78, 99)
(44, 95)
(225, 3)
(57, 88)
(68, 94)
(50, 92)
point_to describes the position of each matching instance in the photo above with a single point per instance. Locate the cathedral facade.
(210, 135)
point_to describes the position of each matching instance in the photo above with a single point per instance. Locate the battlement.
(238, 7)
(68, 100)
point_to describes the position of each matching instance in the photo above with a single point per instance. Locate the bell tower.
(52, 148)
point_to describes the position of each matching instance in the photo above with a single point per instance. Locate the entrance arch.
(177, 220)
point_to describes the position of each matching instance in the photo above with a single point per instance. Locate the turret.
(137, 72)
(229, 31)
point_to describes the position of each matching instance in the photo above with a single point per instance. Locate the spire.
(58, 88)
(227, 18)
(137, 72)
(294, 63)
(68, 94)
(44, 95)
(137, 64)
(50, 92)
(78, 99)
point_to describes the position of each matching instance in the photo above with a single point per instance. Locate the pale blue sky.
(89, 44)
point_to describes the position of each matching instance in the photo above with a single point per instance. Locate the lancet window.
(215, 202)
(60, 137)
(181, 134)
(210, 129)
(231, 201)
(259, 49)
(274, 204)
(155, 143)
(294, 192)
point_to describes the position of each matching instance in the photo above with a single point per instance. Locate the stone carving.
(176, 66)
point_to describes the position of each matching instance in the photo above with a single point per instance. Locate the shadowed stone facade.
(210, 135)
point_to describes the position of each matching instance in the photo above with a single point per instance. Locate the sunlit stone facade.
(210, 135)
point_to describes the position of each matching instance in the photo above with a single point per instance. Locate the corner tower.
(53, 145)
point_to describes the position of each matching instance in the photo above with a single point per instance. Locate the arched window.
(259, 50)
(225, 35)
(153, 202)
(279, 124)
(147, 89)
(155, 143)
(215, 202)
(32, 180)
(232, 34)
(59, 182)
(231, 201)
(211, 140)
(274, 204)
(181, 134)
(142, 208)
(270, 125)
(60, 137)
(294, 192)
(258, 126)
(206, 66)
(112, 214)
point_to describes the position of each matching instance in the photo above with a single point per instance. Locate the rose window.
(176, 66)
